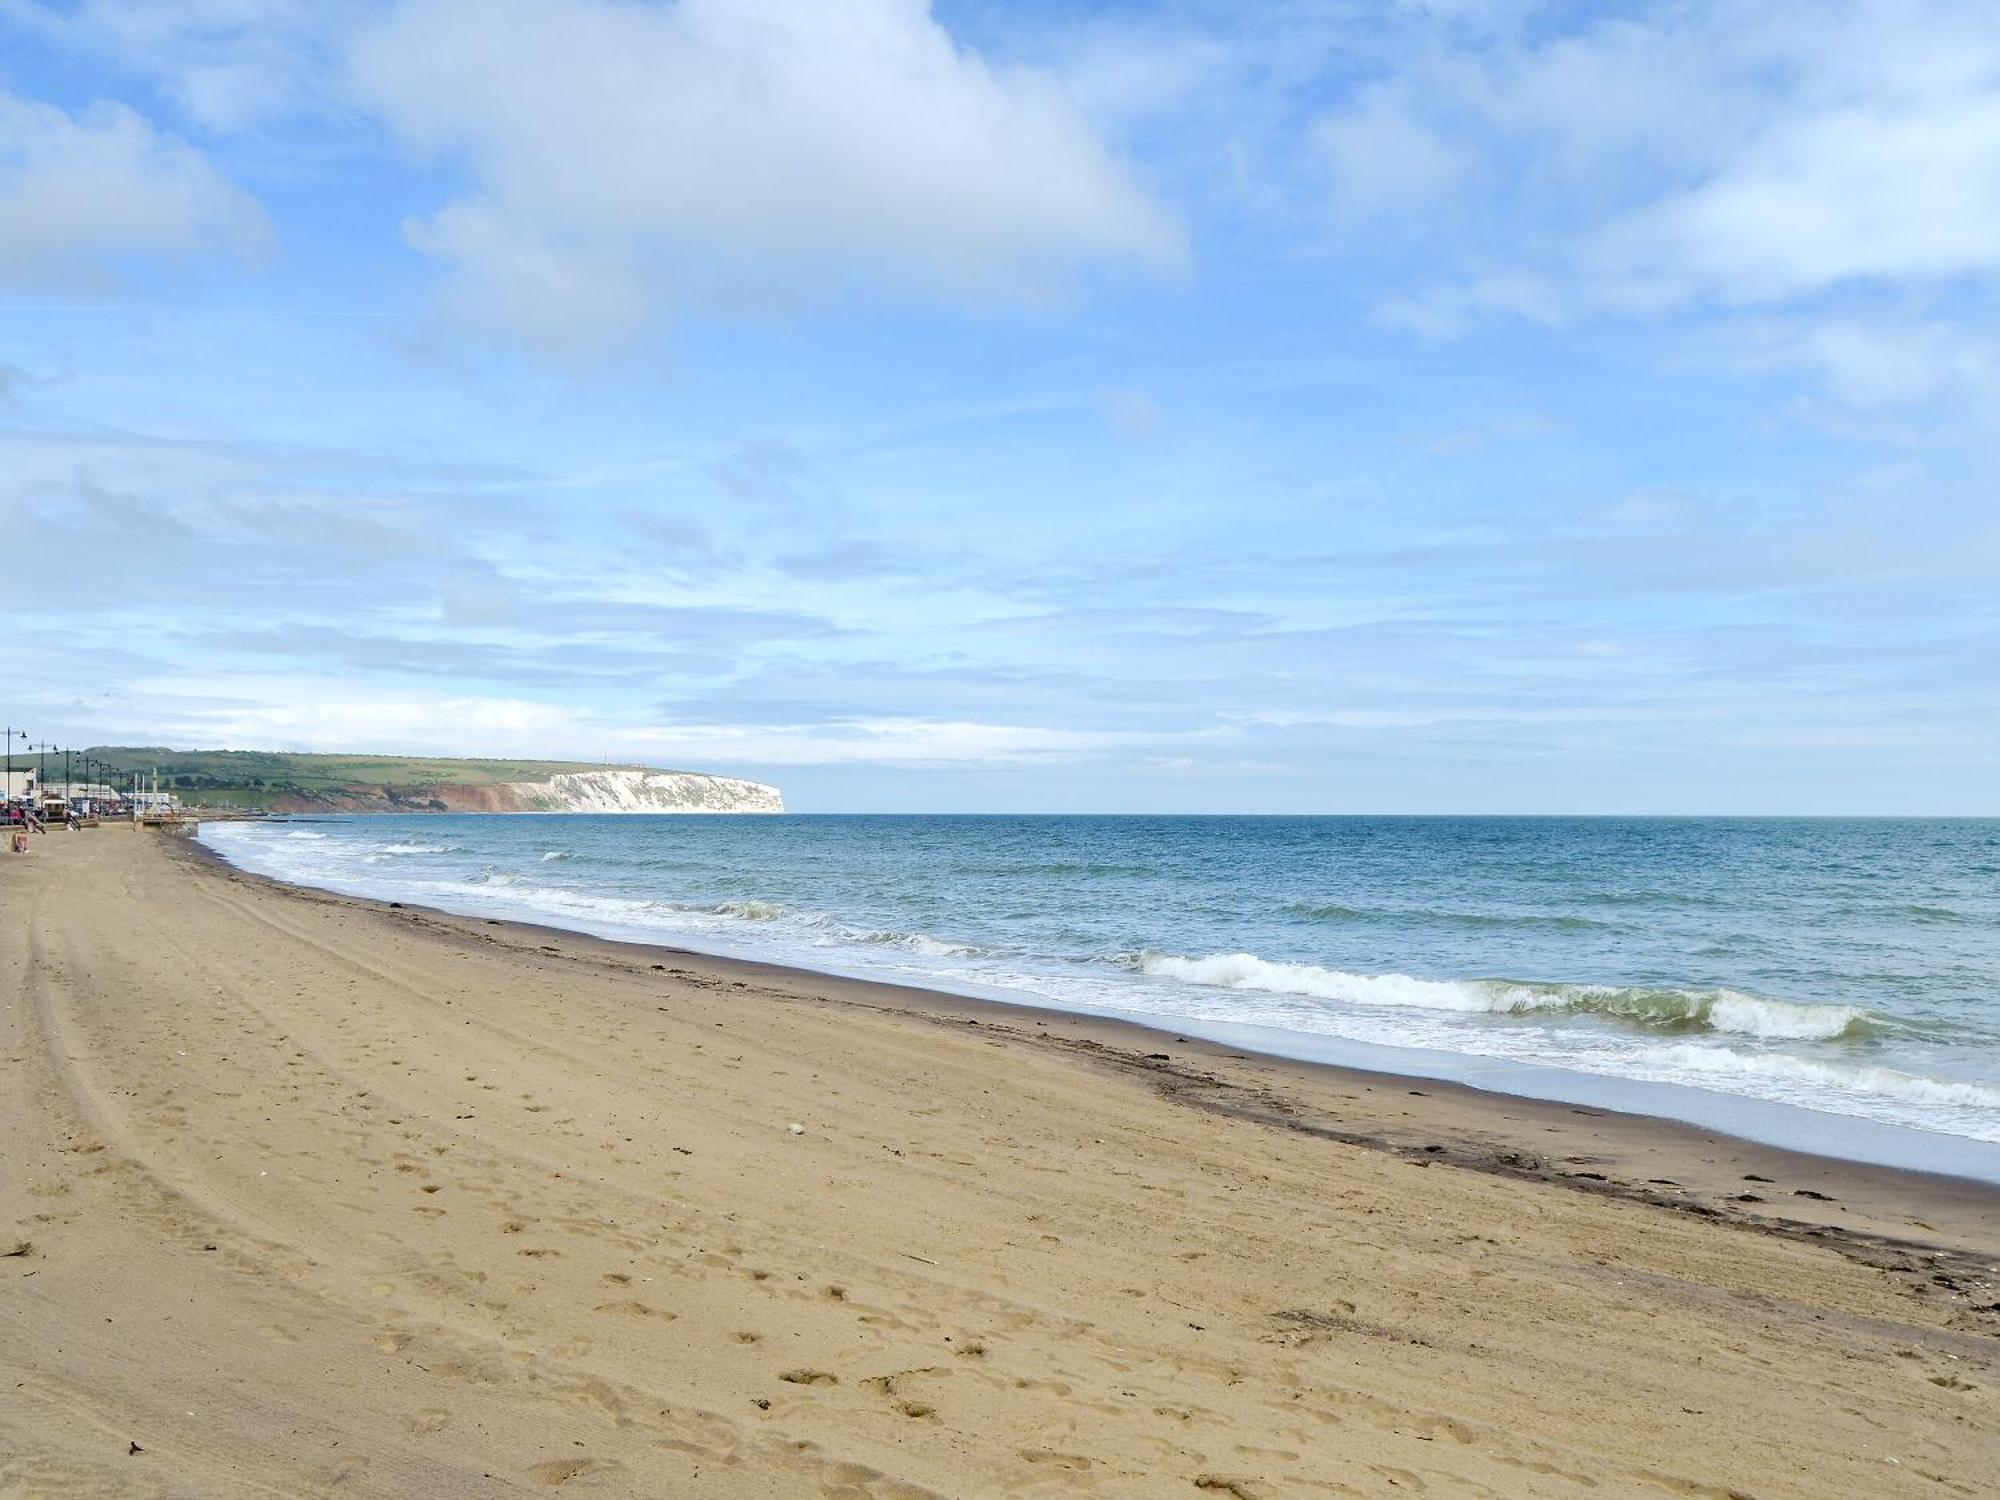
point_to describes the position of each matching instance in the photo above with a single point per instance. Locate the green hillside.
(265, 778)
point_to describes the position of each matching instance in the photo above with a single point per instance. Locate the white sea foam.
(505, 887)
(1717, 1064)
(826, 927)
(303, 833)
(555, 854)
(1694, 1010)
(916, 942)
(415, 848)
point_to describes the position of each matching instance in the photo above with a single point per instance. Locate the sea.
(1826, 984)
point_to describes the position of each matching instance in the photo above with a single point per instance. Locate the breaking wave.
(751, 911)
(555, 854)
(917, 942)
(827, 926)
(1719, 1063)
(415, 848)
(1666, 1009)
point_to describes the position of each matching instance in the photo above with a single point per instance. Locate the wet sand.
(315, 1196)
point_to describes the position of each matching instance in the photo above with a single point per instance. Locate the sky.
(1207, 405)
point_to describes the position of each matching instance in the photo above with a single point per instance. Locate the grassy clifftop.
(284, 780)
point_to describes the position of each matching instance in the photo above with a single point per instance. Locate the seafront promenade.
(307, 1195)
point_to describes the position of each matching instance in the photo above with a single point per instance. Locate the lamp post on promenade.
(9, 735)
(42, 772)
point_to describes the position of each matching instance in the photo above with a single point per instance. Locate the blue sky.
(1415, 406)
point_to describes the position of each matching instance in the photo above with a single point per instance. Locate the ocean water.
(1834, 972)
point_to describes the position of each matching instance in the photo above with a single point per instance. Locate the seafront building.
(58, 799)
(86, 796)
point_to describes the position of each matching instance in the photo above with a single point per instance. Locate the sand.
(309, 1196)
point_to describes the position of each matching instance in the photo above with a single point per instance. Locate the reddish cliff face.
(483, 799)
(497, 798)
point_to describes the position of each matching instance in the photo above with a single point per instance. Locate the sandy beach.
(304, 1195)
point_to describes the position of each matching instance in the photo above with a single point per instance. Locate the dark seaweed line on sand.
(1923, 1269)
(1926, 1268)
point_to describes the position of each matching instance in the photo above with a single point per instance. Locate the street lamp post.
(9, 735)
(42, 766)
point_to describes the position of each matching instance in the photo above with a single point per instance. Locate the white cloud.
(894, 741)
(298, 712)
(624, 158)
(78, 192)
(1671, 156)
(1889, 191)
(302, 712)
(1871, 362)
(227, 63)
(1384, 160)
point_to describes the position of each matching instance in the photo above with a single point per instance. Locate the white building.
(21, 783)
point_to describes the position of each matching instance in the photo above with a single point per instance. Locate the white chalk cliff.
(635, 791)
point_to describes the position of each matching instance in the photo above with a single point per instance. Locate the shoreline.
(1606, 1151)
(1744, 1120)
(1883, 1095)
(307, 1194)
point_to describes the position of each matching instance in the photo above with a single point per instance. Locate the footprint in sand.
(633, 1310)
(562, 1471)
(1074, 1462)
(334, 1479)
(1242, 1489)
